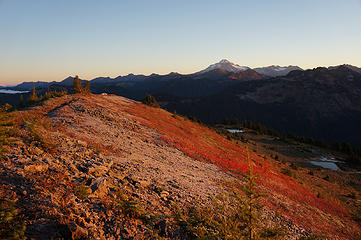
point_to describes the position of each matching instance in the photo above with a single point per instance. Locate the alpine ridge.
(90, 166)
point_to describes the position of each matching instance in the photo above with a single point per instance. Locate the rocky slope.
(105, 167)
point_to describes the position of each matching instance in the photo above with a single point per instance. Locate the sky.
(42, 40)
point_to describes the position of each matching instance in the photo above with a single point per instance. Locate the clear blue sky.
(49, 40)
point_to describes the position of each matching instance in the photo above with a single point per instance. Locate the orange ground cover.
(202, 143)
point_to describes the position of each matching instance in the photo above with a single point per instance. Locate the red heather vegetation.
(288, 196)
(204, 144)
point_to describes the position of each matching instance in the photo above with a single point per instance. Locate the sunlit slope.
(283, 193)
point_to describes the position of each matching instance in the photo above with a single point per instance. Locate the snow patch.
(327, 165)
(326, 162)
(11, 91)
(225, 65)
(235, 130)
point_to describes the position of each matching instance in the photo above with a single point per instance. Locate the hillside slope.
(319, 103)
(105, 167)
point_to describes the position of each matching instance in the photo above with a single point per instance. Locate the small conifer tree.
(21, 101)
(12, 225)
(87, 86)
(226, 121)
(346, 147)
(236, 121)
(77, 85)
(6, 107)
(33, 97)
(150, 101)
(252, 199)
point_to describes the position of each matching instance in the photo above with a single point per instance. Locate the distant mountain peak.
(276, 70)
(226, 65)
(353, 68)
(173, 73)
(225, 61)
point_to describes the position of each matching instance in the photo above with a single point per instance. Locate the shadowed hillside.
(319, 103)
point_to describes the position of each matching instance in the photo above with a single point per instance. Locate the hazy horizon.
(48, 41)
(147, 74)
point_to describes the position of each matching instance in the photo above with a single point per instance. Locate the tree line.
(77, 86)
(353, 152)
(35, 98)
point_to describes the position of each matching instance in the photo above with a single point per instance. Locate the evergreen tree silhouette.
(33, 97)
(77, 85)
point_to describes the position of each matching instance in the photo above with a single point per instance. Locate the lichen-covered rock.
(36, 168)
(99, 187)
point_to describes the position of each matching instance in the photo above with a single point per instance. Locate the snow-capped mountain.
(272, 71)
(276, 71)
(226, 65)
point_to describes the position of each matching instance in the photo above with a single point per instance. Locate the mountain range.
(323, 103)
(223, 65)
(276, 71)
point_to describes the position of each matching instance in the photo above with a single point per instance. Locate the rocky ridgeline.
(154, 175)
(106, 176)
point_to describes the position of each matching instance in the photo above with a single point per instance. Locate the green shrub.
(294, 166)
(37, 129)
(129, 206)
(313, 237)
(269, 233)
(353, 159)
(77, 85)
(356, 214)
(53, 94)
(82, 191)
(150, 101)
(11, 225)
(327, 178)
(87, 86)
(225, 217)
(228, 217)
(287, 172)
(6, 130)
(233, 214)
(33, 97)
(351, 195)
(35, 100)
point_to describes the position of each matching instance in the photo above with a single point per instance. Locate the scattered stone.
(99, 187)
(37, 151)
(164, 194)
(144, 183)
(36, 168)
(82, 143)
(98, 171)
